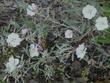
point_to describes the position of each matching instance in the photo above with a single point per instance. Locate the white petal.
(32, 46)
(31, 9)
(11, 59)
(12, 68)
(16, 61)
(68, 34)
(24, 31)
(34, 7)
(31, 13)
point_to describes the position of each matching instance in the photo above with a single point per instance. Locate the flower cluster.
(35, 46)
(101, 23)
(89, 12)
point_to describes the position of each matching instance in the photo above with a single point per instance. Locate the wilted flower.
(101, 23)
(13, 40)
(12, 64)
(81, 51)
(32, 9)
(33, 50)
(24, 31)
(68, 34)
(89, 11)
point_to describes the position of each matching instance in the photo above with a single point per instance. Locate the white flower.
(68, 34)
(12, 64)
(33, 50)
(81, 51)
(13, 40)
(89, 11)
(31, 9)
(101, 23)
